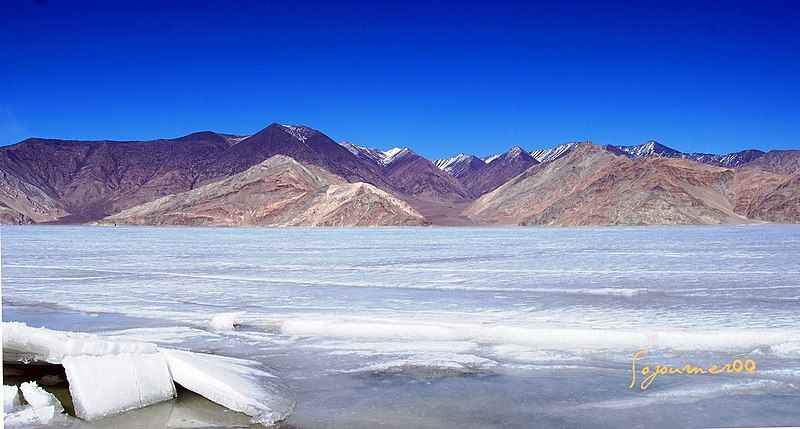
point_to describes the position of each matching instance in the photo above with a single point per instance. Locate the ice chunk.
(21, 342)
(38, 397)
(237, 384)
(42, 406)
(110, 376)
(102, 385)
(29, 416)
(10, 398)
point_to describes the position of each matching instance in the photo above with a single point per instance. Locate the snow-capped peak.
(300, 132)
(447, 164)
(355, 150)
(651, 147)
(547, 155)
(490, 158)
(515, 151)
(377, 155)
(394, 154)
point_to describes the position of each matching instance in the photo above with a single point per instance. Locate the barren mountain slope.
(777, 161)
(418, 179)
(305, 145)
(498, 171)
(780, 203)
(91, 179)
(22, 202)
(591, 186)
(278, 191)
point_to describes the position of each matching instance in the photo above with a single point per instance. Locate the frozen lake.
(445, 327)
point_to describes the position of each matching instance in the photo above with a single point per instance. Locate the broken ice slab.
(108, 376)
(103, 385)
(237, 384)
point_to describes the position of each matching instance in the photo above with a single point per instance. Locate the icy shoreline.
(108, 376)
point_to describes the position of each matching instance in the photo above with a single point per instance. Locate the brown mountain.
(779, 203)
(279, 191)
(301, 143)
(23, 203)
(88, 180)
(431, 191)
(419, 179)
(78, 181)
(498, 171)
(481, 176)
(461, 165)
(777, 161)
(91, 179)
(591, 186)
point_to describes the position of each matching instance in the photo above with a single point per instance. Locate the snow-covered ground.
(442, 327)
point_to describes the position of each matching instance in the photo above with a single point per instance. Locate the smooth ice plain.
(444, 327)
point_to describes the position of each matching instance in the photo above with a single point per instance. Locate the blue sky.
(713, 76)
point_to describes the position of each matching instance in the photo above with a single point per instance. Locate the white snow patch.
(548, 338)
(226, 321)
(787, 349)
(29, 416)
(491, 158)
(436, 364)
(447, 164)
(394, 154)
(300, 132)
(552, 154)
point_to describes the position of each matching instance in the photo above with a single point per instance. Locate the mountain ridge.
(71, 181)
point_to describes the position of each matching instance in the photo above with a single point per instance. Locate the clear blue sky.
(714, 76)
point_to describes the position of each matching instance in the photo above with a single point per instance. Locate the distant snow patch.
(226, 321)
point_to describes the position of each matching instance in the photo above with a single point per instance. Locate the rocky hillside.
(592, 186)
(277, 192)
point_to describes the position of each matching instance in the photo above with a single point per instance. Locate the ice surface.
(103, 385)
(10, 398)
(685, 395)
(237, 384)
(21, 342)
(338, 310)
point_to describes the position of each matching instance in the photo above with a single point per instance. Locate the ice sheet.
(375, 308)
(21, 342)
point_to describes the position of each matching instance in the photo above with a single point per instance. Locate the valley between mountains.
(292, 175)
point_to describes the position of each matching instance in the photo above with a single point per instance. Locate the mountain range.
(295, 175)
